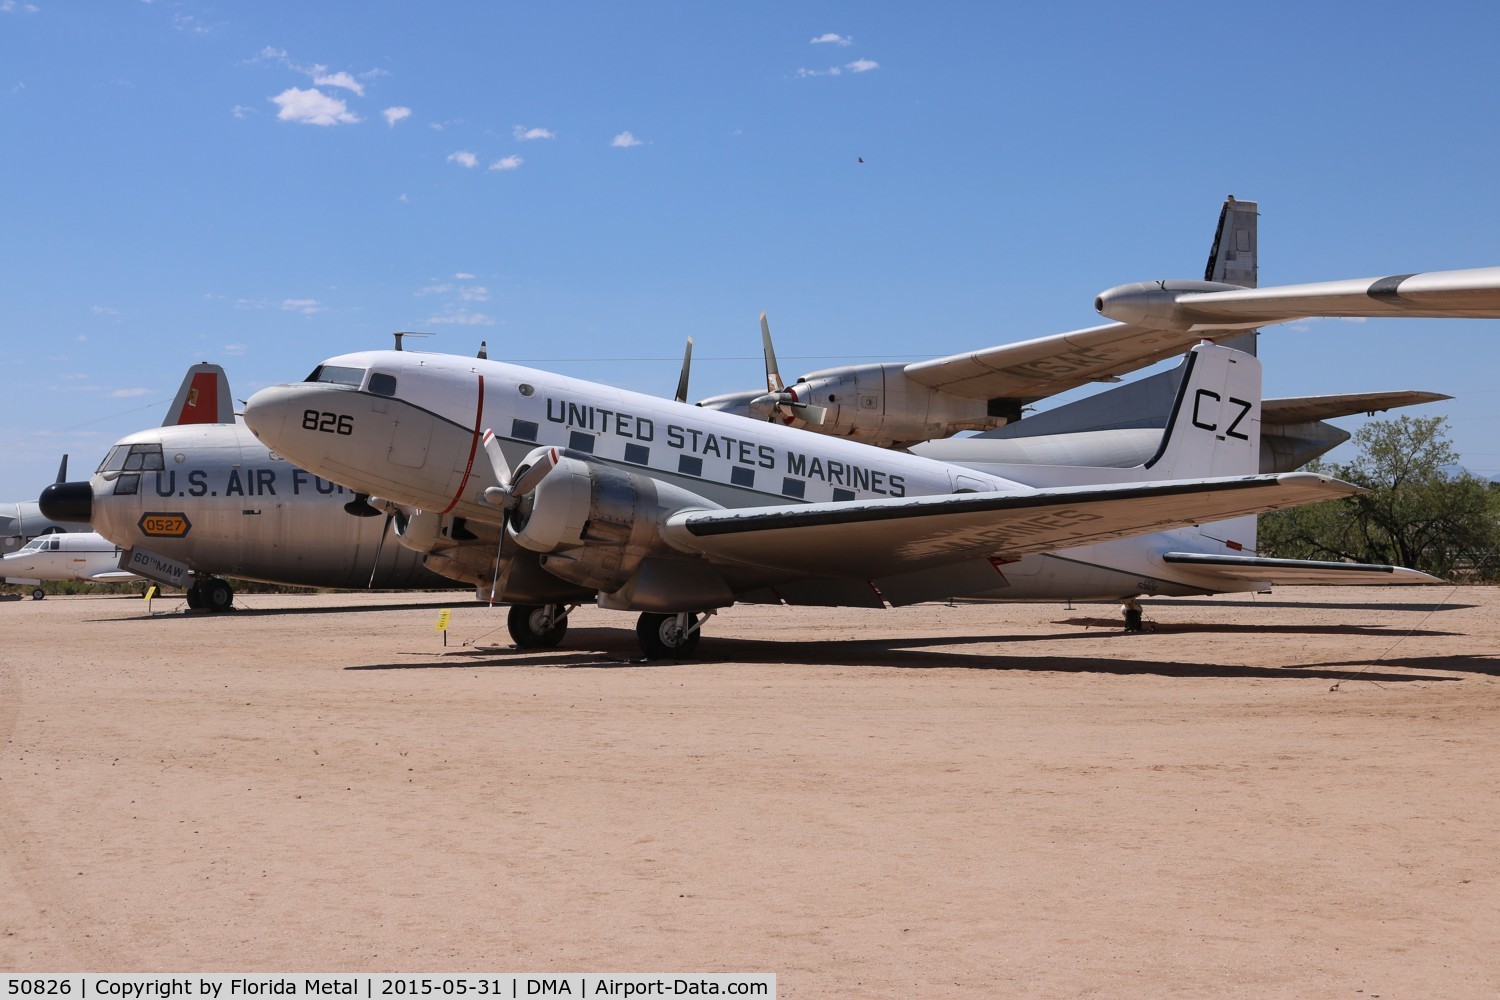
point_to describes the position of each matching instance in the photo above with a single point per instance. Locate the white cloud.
(340, 79)
(128, 393)
(463, 276)
(462, 317)
(12, 7)
(275, 54)
(187, 22)
(624, 141)
(474, 293)
(463, 158)
(396, 114)
(312, 107)
(862, 65)
(234, 350)
(803, 72)
(240, 111)
(104, 311)
(511, 162)
(404, 199)
(831, 38)
(525, 134)
(306, 307)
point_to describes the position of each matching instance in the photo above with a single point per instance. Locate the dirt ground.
(1293, 795)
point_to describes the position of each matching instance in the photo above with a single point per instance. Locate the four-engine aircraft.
(199, 499)
(675, 511)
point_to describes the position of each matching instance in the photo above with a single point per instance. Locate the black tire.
(1133, 620)
(661, 639)
(525, 622)
(217, 595)
(195, 597)
(38, 594)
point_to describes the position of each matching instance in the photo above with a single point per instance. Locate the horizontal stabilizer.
(1295, 572)
(865, 538)
(1306, 409)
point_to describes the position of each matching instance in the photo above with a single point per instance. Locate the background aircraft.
(85, 556)
(901, 404)
(203, 499)
(22, 520)
(625, 499)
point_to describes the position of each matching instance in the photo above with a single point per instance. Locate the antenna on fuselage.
(484, 350)
(407, 333)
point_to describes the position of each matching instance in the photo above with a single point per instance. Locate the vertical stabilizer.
(1235, 256)
(203, 398)
(1214, 428)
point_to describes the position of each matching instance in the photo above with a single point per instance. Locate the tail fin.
(1235, 255)
(203, 398)
(1214, 428)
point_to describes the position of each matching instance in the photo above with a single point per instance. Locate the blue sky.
(584, 185)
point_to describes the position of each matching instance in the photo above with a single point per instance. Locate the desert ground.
(1290, 795)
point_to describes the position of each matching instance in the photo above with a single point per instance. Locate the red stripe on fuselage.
(473, 447)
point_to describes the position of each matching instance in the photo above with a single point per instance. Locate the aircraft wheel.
(38, 594)
(536, 626)
(664, 637)
(217, 595)
(195, 597)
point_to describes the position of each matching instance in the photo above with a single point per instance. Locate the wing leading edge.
(1295, 572)
(879, 537)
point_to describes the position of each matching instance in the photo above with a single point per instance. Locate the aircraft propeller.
(510, 491)
(682, 380)
(779, 400)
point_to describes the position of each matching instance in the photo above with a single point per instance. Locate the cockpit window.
(382, 384)
(337, 374)
(133, 458)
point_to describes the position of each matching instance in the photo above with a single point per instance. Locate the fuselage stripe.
(473, 447)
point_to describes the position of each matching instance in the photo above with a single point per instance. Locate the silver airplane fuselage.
(214, 498)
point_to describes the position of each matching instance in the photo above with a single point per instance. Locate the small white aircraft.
(85, 556)
(675, 511)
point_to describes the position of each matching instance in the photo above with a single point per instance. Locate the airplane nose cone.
(67, 502)
(265, 413)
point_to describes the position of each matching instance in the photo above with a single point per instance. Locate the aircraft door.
(410, 438)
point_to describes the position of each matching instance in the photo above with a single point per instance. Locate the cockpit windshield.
(133, 458)
(337, 374)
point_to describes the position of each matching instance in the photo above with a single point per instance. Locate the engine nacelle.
(879, 404)
(417, 530)
(594, 524)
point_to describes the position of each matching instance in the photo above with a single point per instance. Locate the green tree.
(1415, 514)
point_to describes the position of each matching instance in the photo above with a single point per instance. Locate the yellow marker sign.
(150, 593)
(442, 622)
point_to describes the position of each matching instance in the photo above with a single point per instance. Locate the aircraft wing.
(880, 537)
(1473, 293)
(111, 576)
(1306, 409)
(1295, 572)
(1033, 369)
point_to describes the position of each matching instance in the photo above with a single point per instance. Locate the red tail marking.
(202, 403)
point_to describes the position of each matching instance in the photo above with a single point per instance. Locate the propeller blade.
(380, 545)
(682, 380)
(62, 469)
(497, 460)
(530, 477)
(773, 374)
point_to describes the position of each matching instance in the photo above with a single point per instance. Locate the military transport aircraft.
(900, 404)
(85, 556)
(199, 498)
(676, 511)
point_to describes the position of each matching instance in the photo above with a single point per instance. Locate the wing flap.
(1295, 572)
(865, 539)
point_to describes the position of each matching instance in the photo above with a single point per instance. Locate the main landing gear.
(669, 637)
(1132, 612)
(538, 626)
(210, 594)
